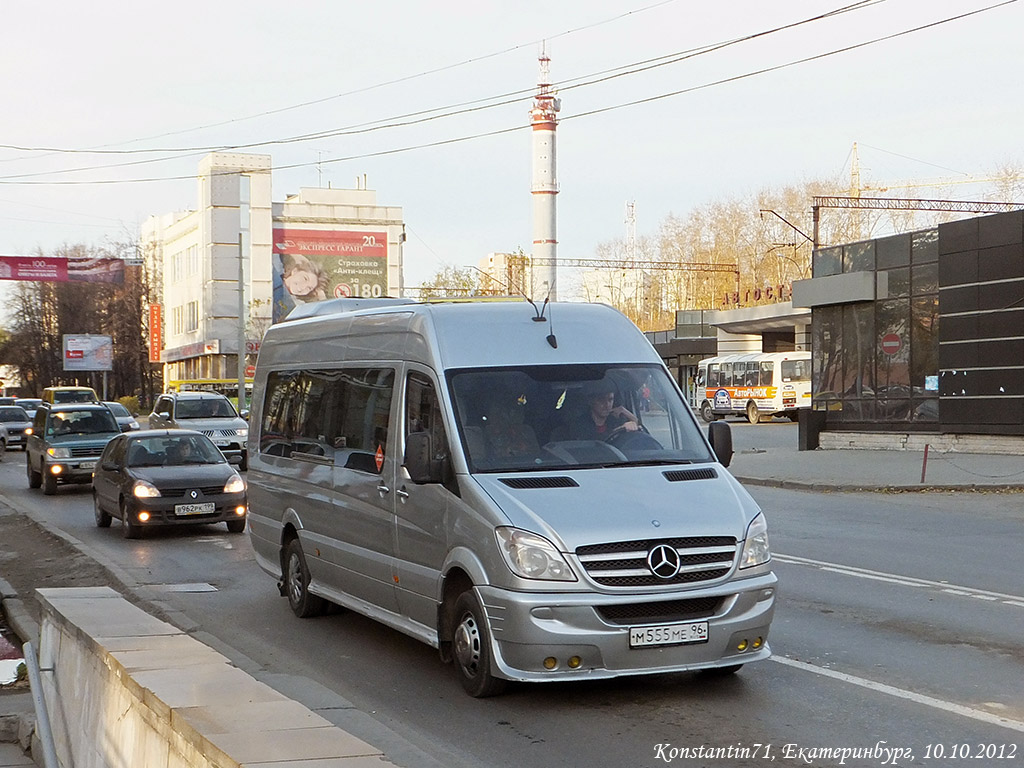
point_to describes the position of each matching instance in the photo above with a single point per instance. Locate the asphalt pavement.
(821, 470)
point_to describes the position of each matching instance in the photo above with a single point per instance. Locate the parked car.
(3, 441)
(152, 477)
(125, 421)
(65, 442)
(16, 420)
(7, 400)
(207, 412)
(30, 404)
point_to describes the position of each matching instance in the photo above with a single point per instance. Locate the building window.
(192, 316)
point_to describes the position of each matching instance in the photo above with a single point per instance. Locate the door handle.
(383, 490)
(402, 494)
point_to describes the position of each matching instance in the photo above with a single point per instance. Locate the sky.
(179, 80)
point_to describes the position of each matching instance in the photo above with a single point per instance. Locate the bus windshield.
(559, 416)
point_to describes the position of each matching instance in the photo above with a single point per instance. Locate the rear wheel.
(753, 413)
(49, 483)
(296, 574)
(102, 518)
(34, 478)
(471, 648)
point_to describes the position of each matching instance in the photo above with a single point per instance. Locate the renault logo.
(663, 561)
(194, 494)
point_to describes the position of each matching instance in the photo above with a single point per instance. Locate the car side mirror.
(419, 461)
(110, 466)
(720, 437)
(244, 414)
(234, 459)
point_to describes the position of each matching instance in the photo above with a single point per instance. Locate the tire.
(706, 413)
(296, 576)
(471, 649)
(244, 464)
(102, 518)
(236, 526)
(49, 483)
(793, 415)
(34, 478)
(753, 413)
(129, 529)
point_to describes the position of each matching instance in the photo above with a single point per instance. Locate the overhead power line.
(12, 180)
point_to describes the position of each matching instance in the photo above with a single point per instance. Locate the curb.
(818, 487)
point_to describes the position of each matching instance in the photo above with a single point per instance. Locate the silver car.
(207, 412)
(16, 421)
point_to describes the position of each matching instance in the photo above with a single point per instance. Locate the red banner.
(156, 337)
(61, 270)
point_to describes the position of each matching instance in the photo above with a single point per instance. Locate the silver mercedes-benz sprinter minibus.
(524, 489)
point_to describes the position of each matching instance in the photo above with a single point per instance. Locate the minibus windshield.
(553, 417)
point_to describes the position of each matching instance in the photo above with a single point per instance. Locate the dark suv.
(65, 442)
(207, 412)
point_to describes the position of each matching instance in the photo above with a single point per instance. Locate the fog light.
(143, 517)
(758, 642)
(56, 469)
(240, 511)
(574, 662)
(742, 645)
(550, 662)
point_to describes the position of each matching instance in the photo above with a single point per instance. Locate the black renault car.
(158, 477)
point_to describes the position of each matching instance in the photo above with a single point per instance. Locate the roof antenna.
(551, 330)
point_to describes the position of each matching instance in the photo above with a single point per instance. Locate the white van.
(481, 477)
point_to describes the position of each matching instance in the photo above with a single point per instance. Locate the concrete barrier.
(124, 689)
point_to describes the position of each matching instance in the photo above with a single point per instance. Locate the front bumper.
(528, 628)
(77, 470)
(161, 509)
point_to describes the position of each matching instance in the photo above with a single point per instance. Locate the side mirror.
(234, 459)
(110, 466)
(419, 461)
(244, 414)
(720, 437)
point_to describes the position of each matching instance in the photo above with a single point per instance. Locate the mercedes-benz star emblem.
(194, 494)
(663, 561)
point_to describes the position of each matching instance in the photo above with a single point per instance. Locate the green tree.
(450, 282)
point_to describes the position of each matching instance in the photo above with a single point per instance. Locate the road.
(899, 627)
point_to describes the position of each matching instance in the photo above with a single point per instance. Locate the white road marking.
(917, 698)
(908, 581)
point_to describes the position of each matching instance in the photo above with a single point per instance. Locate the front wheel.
(35, 479)
(706, 412)
(236, 526)
(471, 648)
(129, 528)
(296, 574)
(49, 483)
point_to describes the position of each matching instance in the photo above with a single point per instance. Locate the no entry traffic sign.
(891, 343)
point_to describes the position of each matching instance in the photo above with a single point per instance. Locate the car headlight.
(242, 431)
(532, 556)
(235, 485)
(133, 425)
(755, 547)
(145, 490)
(59, 452)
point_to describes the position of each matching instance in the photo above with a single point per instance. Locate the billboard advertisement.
(79, 269)
(88, 352)
(313, 264)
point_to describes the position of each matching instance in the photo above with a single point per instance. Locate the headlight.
(532, 556)
(235, 485)
(242, 431)
(755, 548)
(144, 490)
(59, 452)
(133, 425)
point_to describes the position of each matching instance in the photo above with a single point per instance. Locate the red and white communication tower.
(545, 183)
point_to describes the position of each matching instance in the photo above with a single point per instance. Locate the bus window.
(796, 370)
(714, 375)
(726, 374)
(702, 374)
(767, 371)
(750, 377)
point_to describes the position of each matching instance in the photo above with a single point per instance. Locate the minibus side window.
(702, 374)
(767, 372)
(423, 414)
(750, 378)
(714, 375)
(727, 374)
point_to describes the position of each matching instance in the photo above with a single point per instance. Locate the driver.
(603, 418)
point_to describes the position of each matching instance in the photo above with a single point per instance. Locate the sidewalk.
(879, 470)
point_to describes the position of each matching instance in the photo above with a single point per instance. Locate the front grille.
(79, 452)
(661, 612)
(624, 563)
(210, 490)
(219, 432)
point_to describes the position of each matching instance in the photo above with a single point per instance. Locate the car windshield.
(90, 422)
(10, 413)
(173, 450)
(118, 410)
(74, 396)
(553, 417)
(206, 408)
